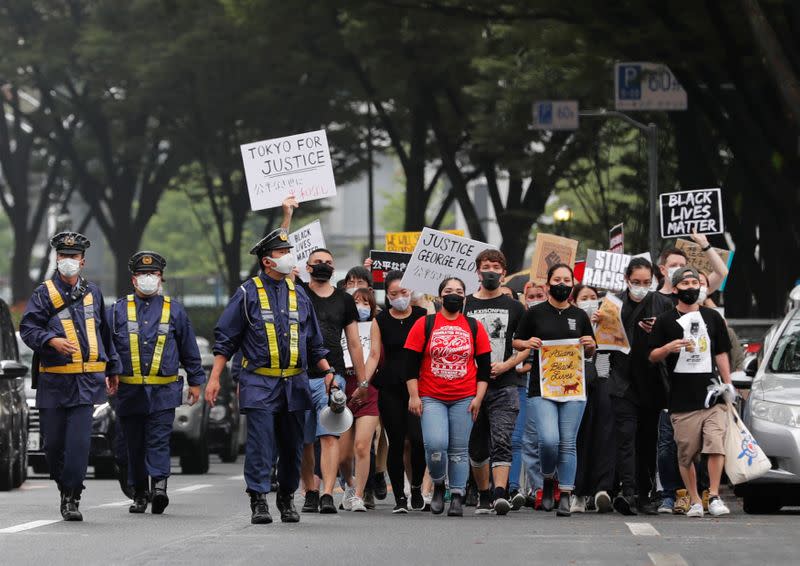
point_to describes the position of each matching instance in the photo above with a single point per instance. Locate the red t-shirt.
(448, 371)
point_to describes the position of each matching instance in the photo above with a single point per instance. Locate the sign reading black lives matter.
(306, 240)
(384, 262)
(298, 166)
(439, 255)
(688, 211)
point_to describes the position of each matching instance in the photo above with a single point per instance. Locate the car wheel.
(105, 471)
(758, 504)
(7, 465)
(21, 464)
(195, 460)
(40, 467)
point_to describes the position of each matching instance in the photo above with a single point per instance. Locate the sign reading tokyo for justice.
(298, 165)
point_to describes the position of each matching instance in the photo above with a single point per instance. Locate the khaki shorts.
(700, 432)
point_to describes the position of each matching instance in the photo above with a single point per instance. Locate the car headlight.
(217, 413)
(787, 415)
(100, 410)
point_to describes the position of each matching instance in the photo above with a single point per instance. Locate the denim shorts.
(319, 400)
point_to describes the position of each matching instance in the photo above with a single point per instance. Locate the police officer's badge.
(283, 236)
(69, 241)
(147, 260)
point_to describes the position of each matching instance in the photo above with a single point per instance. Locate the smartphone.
(649, 320)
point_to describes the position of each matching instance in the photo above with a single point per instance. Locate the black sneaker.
(648, 508)
(401, 507)
(311, 504)
(379, 481)
(517, 500)
(369, 498)
(625, 505)
(484, 506)
(456, 509)
(437, 503)
(417, 501)
(326, 505)
(501, 506)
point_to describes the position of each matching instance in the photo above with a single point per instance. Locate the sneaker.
(577, 504)
(706, 496)
(357, 505)
(456, 509)
(379, 481)
(471, 498)
(501, 506)
(625, 505)
(602, 500)
(517, 500)
(426, 497)
(326, 506)
(682, 503)
(667, 504)
(417, 501)
(347, 498)
(311, 504)
(696, 510)
(484, 506)
(716, 507)
(369, 499)
(401, 507)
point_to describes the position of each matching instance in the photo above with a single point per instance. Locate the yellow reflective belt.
(133, 333)
(269, 327)
(91, 330)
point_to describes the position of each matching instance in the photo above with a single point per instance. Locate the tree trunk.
(21, 284)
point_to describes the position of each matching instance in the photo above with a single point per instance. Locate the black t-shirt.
(688, 390)
(546, 322)
(394, 332)
(500, 317)
(334, 313)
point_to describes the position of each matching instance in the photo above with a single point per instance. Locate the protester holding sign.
(449, 366)
(556, 422)
(673, 258)
(693, 342)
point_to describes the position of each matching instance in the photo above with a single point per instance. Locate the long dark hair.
(559, 266)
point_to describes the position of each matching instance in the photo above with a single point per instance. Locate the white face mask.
(400, 303)
(148, 283)
(363, 312)
(703, 295)
(284, 264)
(69, 267)
(532, 304)
(589, 307)
(351, 291)
(638, 293)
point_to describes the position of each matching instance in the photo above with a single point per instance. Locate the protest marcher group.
(466, 398)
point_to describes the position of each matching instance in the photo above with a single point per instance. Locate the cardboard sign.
(406, 241)
(298, 166)
(562, 375)
(384, 262)
(610, 333)
(365, 336)
(687, 211)
(616, 239)
(439, 255)
(698, 259)
(549, 251)
(306, 240)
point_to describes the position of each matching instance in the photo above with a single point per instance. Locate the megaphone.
(336, 417)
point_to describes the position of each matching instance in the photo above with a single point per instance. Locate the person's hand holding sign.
(588, 344)
(533, 343)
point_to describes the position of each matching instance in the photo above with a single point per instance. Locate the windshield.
(786, 357)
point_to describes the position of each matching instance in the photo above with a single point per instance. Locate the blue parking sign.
(629, 82)
(545, 113)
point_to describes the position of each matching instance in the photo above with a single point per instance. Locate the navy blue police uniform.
(273, 323)
(153, 338)
(69, 385)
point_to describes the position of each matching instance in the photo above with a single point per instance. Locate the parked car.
(13, 408)
(199, 431)
(772, 413)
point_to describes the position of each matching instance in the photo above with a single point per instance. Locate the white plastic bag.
(744, 459)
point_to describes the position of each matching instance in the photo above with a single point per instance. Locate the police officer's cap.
(70, 243)
(144, 261)
(275, 240)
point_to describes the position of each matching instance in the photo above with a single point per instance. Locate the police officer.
(66, 326)
(153, 336)
(274, 325)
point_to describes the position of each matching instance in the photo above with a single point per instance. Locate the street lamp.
(562, 216)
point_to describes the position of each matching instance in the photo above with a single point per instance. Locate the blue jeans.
(668, 471)
(530, 448)
(319, 398)
(557, 425)
(516, 440)
(446, 426)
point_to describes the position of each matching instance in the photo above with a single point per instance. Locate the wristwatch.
(363, 384)
(705, 249)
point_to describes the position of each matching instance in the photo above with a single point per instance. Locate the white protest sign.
(606, 270)
(439, 255)
(688, 211)
(306, 240)
(298, 165)
(364, 334)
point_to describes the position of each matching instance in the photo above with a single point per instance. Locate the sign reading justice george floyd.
(691, 211)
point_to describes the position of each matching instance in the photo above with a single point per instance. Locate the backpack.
(430, 320)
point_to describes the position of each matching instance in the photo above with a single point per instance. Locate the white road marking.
(194, 487)
(28, 526)
(236, 478)
(643, 529)
(27, 487)
(114, 504)
(667, 559)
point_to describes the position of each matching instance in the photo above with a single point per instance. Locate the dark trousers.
(637, 440)
(264, 428)
(399, 425)
(147, 438)
(67, 433)
(596, 442)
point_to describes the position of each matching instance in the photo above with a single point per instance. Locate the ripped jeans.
(446, 426)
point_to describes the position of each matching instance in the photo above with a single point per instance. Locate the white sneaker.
(717, 508)
(577, 504)
(696, 510)
(602, 502)
(357, 505)
(347, 498)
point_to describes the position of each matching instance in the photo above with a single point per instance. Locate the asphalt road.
(208, 522)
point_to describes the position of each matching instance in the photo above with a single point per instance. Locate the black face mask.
(453, 303)
(321, 272)
(490, 280)
(688, 296)
(560, 292)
